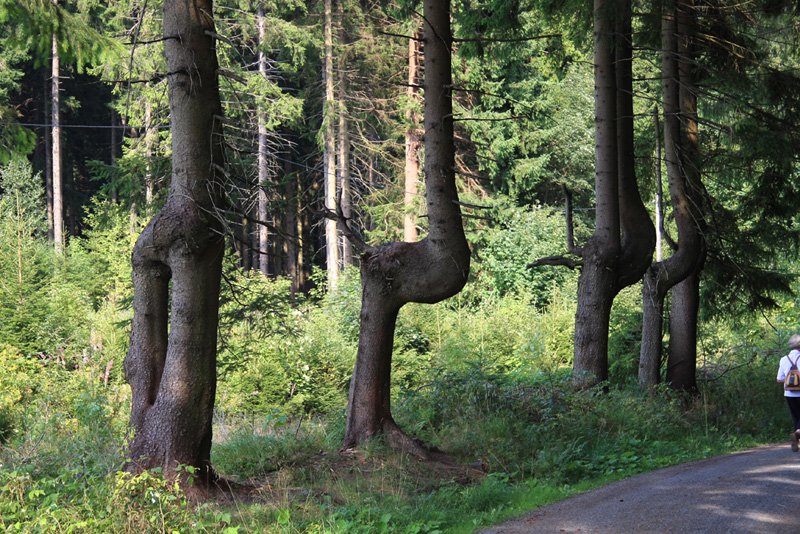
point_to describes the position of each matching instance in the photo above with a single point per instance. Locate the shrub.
(18, 380)
(505, 250)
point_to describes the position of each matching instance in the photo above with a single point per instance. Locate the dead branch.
(505, 39)
(561, 261)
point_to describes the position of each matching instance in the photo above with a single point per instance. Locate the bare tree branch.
(343, 224)
(400, 35)
(562, 261)
(505, 39)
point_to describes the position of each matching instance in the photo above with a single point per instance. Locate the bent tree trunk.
(682, 362)
(622, 245)
(171, 364)
(638, 234)
(598, 276)
(263, 158)
(426, 271)
(680, 149)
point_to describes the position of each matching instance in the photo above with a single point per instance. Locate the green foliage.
(70, 308)
(278, 351)
(624, 336)
(506, 248)
(528, 102)
(256, 451)
(14, 139)
(25, 262)
(18, 381)
(78, 42)
(119, 502)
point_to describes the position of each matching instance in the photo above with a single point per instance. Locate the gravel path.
(756, 491)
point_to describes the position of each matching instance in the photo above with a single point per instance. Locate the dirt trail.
(755, 491)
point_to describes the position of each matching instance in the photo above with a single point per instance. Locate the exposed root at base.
(220, 490)
(399, 441)
(402, 442)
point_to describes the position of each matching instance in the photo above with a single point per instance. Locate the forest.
(398, 266)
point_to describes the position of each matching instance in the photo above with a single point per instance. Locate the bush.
(18, 381)
(505, 250)
(279, 351)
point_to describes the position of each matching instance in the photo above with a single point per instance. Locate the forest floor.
(755, 491)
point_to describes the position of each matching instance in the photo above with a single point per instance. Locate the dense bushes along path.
(755, 491)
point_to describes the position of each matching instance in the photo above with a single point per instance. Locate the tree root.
(220, 490)
(398, 440)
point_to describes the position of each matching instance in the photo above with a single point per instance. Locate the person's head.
(794, 342)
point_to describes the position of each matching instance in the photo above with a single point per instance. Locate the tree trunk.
(329, 152)
(133, 221)
(344, 177)
(177, 261)
(114, 147)
(263, 175)
(598, 279)
(658, 206)
(58, 200)
(653, 308)
(682, 362)
(662, 276)
(412, 145)
(637, 231)
(48, 156)
(304, 232)
(291, 222)
(345, 198)
(244, 237)
(426, 271)
(150, 139)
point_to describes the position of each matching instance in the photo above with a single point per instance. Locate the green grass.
(541, 440)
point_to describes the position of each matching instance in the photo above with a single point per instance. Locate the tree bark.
(58, 199)
(48, 156)
(412, 145)
(292, 228)
(598, 279)
(682, 361)
(637, 231)
(114, 147)
(344, 169)
(263, 157)
(177, 261)
(426, 271)
(685, 305)
(658, 206)
(621, 247)
(244, 236)
(662, 276)
(150, 139)
(329, 151)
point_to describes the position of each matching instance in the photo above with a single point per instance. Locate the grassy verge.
(535, 439)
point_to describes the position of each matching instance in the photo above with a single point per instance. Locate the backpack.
(792, 380)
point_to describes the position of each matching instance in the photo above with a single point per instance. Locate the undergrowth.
(529, 436)
(484, 376)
